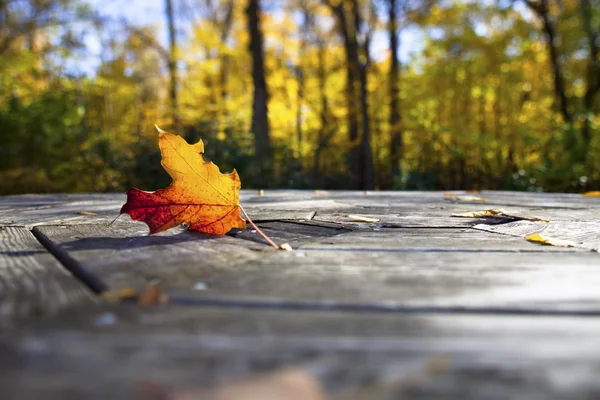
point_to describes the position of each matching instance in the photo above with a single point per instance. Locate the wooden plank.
(451, 270)
(383, 199)
(292, 233)
(32, 282)
(398, 278)
(124, 256)
(61, 209)
(400, 209)
(394, 219)
(481, 356)
(439, 215)
(582, 234)
(426, 239)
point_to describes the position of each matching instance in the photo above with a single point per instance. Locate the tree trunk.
(396, 139)
(593, 71)
(300, 75)
(361, 158)
(350, 48)
(172, 65)
(367, 170)
(541, 9)
(224, 64)
(260, 121)
(325, 132)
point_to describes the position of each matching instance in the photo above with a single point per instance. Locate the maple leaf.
(199, 195)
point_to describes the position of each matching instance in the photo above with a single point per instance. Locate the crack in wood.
(94, 283)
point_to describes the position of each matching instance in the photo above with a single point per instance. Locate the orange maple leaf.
(199, 195)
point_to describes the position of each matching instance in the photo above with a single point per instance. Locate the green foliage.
(478, 105)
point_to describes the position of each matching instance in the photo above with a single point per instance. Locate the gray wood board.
(32, 281)
(582, 234)
(441, 268)
(493, 198)
(405, 209)
(396, 279)
(35, 210)
(425, 239)
(293, 233)
(103, 354)
(124, 256)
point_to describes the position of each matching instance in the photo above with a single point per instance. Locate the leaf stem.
(272, 243)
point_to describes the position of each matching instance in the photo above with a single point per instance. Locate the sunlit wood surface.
(379, 286)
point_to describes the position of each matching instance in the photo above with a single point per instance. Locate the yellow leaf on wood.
(200, 195)
(537, 238)
(592, 194)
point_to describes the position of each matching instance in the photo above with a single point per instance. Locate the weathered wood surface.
(582, 234)
(404, 209)
(389, 268)
(32, 281)
(492, 356)
(362, 304)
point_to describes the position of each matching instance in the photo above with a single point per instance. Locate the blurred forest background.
(351, 94)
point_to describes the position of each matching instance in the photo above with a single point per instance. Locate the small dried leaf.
(91, 214)
(592, 194)
(152, 295)
(497, 213)
(537, 238)
(115, 296)
(479, 214)
(453, 197)
(285, 246)
(362, 218)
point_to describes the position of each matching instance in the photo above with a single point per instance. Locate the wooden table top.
(379, 286)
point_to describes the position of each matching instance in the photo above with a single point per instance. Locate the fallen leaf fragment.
(116, 296)
(285, 246)
(285, 384)
(361, 218)
(497, 213)
(454, 197)
(152, 295)
(478, 214)
(537, 238)
(91, 214)
(592, 194)
(199, 195)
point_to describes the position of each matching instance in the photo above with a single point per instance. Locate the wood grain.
(32, 281)
(124, 256)
(583, 234)
(365, 307)
(394, 279)
(79, 356)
